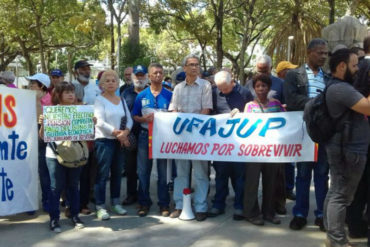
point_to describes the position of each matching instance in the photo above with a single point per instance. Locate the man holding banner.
(227, 96)
(193, 95)
(152, 99)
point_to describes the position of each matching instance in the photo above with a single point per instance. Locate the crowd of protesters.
(147, 90)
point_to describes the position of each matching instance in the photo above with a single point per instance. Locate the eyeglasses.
(193, 65)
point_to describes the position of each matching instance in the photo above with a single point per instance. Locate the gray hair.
(188, 57)
(8, 76)
(316, 42)
(222, 77)
(265, 59)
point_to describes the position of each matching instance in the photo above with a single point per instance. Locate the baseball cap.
(285, 65)
(140, 69)
(166, 83)
(82, 63)
(181, 76)
(42, 78)
(56, 72)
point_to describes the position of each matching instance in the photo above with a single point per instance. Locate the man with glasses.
(193, 95)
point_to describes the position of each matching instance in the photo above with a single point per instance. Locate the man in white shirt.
(86, 89)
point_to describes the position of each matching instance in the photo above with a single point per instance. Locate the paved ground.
(24, 231)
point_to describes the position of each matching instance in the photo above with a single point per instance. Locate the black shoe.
(129, 200)
(54, 226)
(201, 216)
(77, 223)
(320, 223)
(290, 195)
(258, 221)
(215, 212)
(297, 223)
(273, 220)
(281, 210)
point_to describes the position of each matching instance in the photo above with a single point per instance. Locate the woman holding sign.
(109, 111)
(261, 104)
(62, 177)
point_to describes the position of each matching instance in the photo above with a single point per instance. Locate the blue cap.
(140, 69)
(181, 76)
(56, 72)
(206, 74)
(166, 83)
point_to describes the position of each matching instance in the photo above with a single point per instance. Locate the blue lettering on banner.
(242, 130)
(7, 194)
(17, 150)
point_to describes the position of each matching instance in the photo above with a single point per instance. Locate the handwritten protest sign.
(74, 123)
(270, 137)
(18, 151)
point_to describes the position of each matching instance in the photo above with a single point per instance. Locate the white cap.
(44, 79)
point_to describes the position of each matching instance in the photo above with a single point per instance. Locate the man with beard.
(85, 89)
(300, 85)
(129, 94)
(152, 99)
(348, 148)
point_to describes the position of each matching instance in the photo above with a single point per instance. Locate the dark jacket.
(296, 88)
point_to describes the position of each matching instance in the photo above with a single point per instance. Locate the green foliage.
(132, 55)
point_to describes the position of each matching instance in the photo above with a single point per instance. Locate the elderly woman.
(109, 138)
(261, 104)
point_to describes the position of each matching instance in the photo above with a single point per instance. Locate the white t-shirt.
(109, 117)
(86, 93)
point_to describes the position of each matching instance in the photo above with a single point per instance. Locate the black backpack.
(321, 127)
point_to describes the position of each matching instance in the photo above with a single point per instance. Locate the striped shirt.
(315, 82)
(273, 106)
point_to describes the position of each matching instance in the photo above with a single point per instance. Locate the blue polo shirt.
(146, 103)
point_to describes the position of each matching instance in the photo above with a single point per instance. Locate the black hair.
(42, 86)
(341, 55)
(263, 78)
(316, 42)
(356, 49)
(367, 44)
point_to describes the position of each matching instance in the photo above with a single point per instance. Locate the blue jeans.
(110, 158)
(346, 169)
(44, 175)
(303, 182)
(144, 169)
(236, 172)
(182, 181)
(63, 178)
(289, 176)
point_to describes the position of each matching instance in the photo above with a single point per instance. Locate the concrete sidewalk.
(25, 231)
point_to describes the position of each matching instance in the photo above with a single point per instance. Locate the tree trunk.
(69, 64)
(133, 26)
(41, 44)
(219, 20)
(27, 57)
(332, 11)
(112, 62)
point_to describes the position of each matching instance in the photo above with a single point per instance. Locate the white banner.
(74, 123)
(247, 137)
(18, 151)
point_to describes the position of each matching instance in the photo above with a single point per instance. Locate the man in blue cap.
(56, 76)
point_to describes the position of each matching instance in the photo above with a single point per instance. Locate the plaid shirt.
(192, 98)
